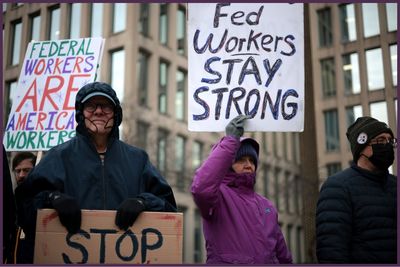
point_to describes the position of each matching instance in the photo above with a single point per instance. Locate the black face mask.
(383, 155)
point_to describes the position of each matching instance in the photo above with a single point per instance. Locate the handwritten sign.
(43, 108)
(155, 238)
(246, 59)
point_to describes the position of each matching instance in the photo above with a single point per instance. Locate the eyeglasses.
(91, 107)
(384, 141)
(25, 170)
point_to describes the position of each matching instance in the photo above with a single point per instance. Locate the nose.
(99, 108)
(247, 163)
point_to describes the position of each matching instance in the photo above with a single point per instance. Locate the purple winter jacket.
(240, 226)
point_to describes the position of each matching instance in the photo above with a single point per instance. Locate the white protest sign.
(43, 109)
(246, 59)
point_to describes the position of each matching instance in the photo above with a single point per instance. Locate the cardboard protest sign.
(155, 238)
(246, 58)
(43, 109)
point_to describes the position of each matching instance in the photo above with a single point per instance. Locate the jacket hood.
(90, 90)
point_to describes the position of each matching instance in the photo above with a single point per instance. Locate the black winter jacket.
(356, 218)
(75, 168)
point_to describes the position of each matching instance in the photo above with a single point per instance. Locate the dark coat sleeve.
(334, 222)
(158, 194)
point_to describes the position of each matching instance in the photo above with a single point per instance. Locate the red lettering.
(49, 91)
(62, 114)
(21, 121)
(42, 117)
(71, 89)
(39, 71)
(29, 97)
(57, 66)
(78, 61)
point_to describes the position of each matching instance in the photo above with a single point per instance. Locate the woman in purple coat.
(240, 226)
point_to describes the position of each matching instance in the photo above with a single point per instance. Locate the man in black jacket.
(95, 170)
(356, 211)
(9, 214)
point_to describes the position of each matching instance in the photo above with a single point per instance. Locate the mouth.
(99, 121)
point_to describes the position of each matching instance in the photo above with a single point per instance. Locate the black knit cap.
(362, 131)
(249, 147)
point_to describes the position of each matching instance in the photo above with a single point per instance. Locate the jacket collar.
(243, 180)
(378, 176)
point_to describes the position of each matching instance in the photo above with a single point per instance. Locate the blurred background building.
(351, 70)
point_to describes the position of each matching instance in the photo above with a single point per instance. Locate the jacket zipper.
(104, 181)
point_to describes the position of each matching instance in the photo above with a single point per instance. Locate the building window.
(75, 22)
(333, 168)
(162, 87)
(370, 19)
(118, 72)
(277, 189)
(375, 73)
(328, 77)
(96, 27)
(4, 7)
(181, 30)
(274, 144)
(299, 238)
(54, 24)
(297, 194)
(287, 192)
(197, 154)
(296, 147)
(352, 113)
(331, 130)
(35, 27)
(12, 89)
(348, 22)
(16, 42)
(162, 151)
(180, 156)
(266, 180)
(351, 74)
(379, 111)
(142, 76)
(391, 16)
(289, 237)
(325, 27)
(144, 19)
(285, 137)
(197, 238)
(142, 133)
(119, 19)
(163, 27)
(180, 95)
(393, 60)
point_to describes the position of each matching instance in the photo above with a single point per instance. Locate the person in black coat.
(9, 214)
(95, 170)
(356, 218)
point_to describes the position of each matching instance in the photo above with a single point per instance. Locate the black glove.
(68, 211)
(128, 212)
(235, 126)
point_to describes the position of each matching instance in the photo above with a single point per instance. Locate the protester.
(240, 226)
(9, 214)
(22, 164)
(356, 216)
(95, 170)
